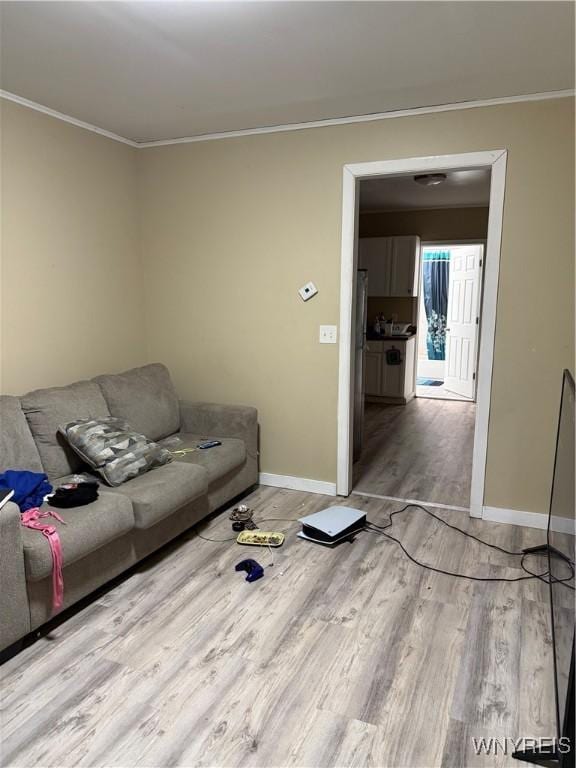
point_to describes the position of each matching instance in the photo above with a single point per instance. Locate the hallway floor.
(419, 451)
(439, 393)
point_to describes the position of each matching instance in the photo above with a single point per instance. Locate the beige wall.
(433, 224)
(232, 228)
(229, 230)
(71, 279)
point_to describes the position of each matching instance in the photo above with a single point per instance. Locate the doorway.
(449, 320)
(495, 162)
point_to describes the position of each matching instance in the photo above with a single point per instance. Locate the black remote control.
(208, 444)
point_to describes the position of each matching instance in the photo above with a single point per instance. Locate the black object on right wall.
(561, 551)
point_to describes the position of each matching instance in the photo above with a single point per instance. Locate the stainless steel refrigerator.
(359, 361)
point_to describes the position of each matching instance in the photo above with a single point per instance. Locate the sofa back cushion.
(145, 398)
(17, 447)
(48, 409)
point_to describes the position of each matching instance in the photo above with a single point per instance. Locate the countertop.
(396, 337)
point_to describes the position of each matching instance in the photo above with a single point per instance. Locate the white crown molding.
(458, 105)
(298, 483)
(65, 118)
(544, 96)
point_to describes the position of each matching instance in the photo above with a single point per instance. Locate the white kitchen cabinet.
(404, 254)
(373, 255)
(373, 372)
(393, 375)
(393, 264)
(393, 382)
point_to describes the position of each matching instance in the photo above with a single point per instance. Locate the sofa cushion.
(113, 449)
(145, 397)
(218, 461)
(162, 491)
(17, 447)
(48, 409)
(87, 529)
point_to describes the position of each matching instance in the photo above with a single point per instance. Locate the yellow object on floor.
(261, 538)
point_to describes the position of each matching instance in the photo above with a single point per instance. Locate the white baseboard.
(528, 519)
(515, 517)
(434, 504)
(298, 483)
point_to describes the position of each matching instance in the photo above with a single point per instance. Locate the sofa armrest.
(14, 609)
(215, 420)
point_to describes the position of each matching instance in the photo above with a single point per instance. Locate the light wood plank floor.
(422, 450)
(338, 657)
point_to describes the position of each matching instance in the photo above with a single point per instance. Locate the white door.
(463, 322)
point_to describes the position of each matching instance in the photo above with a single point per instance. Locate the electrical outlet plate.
(307, 291)
(328, 334)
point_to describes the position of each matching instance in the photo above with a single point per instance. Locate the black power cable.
(449, 525)
(450, 573)
(216, 541)
(545, 576)
(381, 530)
(233, 538)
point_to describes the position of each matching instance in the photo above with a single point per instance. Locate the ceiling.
(163, 70)
(462, 189)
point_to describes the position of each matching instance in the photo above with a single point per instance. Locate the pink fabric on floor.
(32, 519)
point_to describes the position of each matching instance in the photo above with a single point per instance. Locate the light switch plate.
(328, 334)
(307, 291)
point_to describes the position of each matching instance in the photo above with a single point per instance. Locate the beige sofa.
(102, 539)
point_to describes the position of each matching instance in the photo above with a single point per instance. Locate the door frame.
(353, 173)
(437, 243)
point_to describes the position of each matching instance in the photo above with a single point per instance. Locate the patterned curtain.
(435, 273)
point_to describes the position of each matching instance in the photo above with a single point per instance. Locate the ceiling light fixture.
(430, 179)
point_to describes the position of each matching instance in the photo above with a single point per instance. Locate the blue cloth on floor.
(29, 487)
